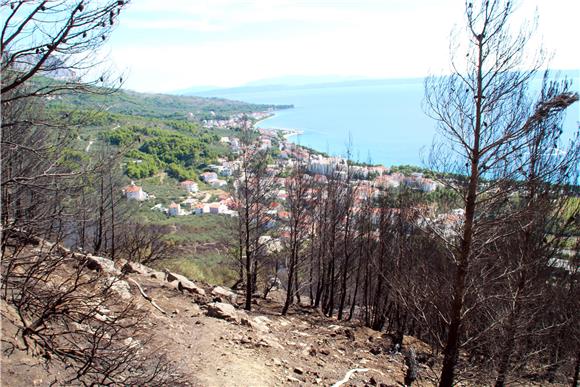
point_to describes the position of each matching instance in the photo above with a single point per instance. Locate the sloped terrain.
(198, 335)
(212, 342)
(263, 348)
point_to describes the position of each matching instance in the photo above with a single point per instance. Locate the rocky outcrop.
(259, 323)
(135, 267)
(184, 284)
(138, 268)
(119, 286)
(222, 311)
(101, 264)
(225, 294)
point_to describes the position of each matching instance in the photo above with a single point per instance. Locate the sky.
(164, 46)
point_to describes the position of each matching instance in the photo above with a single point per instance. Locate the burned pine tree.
(484, 116)
(253, 194)
(298, 187)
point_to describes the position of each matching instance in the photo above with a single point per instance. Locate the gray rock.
(102, 264)
(121, 287)
(184, 283)
(195, 311)
(135, 267)
(256, 323)
(268, 341)
(222, 311)
(225, 294)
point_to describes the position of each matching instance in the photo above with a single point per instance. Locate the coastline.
(287, 133)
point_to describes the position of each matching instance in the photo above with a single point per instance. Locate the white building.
(174, 209)
(217, 183)
(209, 176)
(217, 208)
(202, 208)
(189, 186)
(134, 192)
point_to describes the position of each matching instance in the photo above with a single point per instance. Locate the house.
(201, 208)
(389, 181)
(234, 144)
(174, 209)
(189, 186)
(379, 170)
(216, 183)
(320, 179)
(134, 192)
(266, 144)
(428, 185)
(217, 208)
(209, 176)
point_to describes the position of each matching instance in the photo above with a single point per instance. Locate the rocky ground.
(219, 344)
(214, 342)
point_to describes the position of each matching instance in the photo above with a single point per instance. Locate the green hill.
(159, 105)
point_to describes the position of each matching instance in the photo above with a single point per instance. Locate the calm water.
(385, 121)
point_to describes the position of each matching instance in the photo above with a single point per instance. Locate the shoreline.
(287, 133)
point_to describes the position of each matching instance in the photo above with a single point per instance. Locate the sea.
(379, 122)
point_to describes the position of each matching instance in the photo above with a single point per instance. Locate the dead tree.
(297, 186)
(348, 236)
(78, 316)
(144, 243)
(549, 169)
(65, 310)
(253, 194)
(483, 113)
(48, 49)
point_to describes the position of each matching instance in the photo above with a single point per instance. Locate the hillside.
(208, 340)
(157, 141)
(152, 105)
(158, 240)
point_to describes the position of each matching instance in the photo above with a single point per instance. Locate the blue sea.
(383, 120)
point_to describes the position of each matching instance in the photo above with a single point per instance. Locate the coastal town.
(211, 194)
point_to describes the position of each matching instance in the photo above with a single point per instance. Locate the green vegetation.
(159, 105)
(179, 148)
(409, 169)
(314, 151)
(204, 244)
(141, 165)
(163, 142)
(361, 163)
(212, 269)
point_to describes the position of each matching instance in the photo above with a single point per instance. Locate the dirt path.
(303, 348)
(259, 348)
(205, 346)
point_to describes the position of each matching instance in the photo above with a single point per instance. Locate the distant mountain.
(53, 67)
(158, 105)
(259, 87)
(303, 80)
(268, 83)
(193, 90)
(312, 82)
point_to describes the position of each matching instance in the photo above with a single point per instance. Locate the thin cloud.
(181, 43)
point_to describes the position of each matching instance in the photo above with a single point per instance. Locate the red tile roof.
(132, 188)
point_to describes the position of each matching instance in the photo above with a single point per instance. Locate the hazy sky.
(174, 44)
